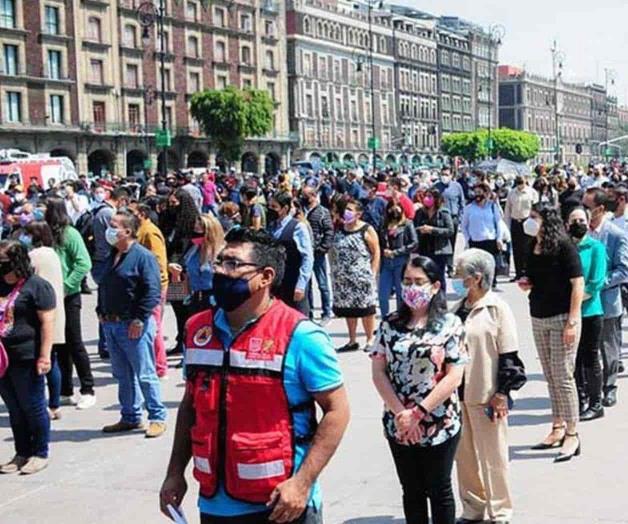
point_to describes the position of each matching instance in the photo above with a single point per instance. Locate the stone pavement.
(94, 478)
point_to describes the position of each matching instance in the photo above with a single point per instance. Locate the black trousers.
(588, 364)
(310, 516)
(73, 351)
(425, 474)
(450, 258)
(490, 246)
(181, 314)
(521, 244)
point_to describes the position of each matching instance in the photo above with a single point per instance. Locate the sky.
(592, 35)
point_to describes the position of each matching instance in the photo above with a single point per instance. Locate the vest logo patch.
(202, 336)
(260, 349)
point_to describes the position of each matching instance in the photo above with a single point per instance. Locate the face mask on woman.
(577, 230)
(348, 217)
(428, 201)
(531, 227)
(459, 288)
(415, 296)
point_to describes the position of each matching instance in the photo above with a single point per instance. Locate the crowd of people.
(236, 257)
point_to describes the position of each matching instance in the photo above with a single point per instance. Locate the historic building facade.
(82, 78)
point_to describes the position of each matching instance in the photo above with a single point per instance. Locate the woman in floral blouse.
(417, 363)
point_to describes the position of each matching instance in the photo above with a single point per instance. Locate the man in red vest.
(255, 369)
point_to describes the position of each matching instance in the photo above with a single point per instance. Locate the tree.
(229, 116)
(510, 144)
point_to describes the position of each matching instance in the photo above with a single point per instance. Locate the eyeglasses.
(230, 265)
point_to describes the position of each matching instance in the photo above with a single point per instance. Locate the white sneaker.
(86, 402)
(68, 401)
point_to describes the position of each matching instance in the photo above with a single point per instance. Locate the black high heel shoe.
(557, 444)
(565, 457)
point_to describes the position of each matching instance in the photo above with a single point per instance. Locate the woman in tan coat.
(493, 370)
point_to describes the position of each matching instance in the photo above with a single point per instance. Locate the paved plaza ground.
(96, 478)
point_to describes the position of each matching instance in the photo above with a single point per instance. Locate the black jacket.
(322, 229)
(441, 239)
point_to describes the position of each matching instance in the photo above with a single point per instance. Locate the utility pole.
(609, 77)
(496, 34)
(558, 57)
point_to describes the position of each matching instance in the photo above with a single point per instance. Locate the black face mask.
(272, 215)
(394, 216)
(611, 206)
(5, 268)
(578, 230)
(229, 292)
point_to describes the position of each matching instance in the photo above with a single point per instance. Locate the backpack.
(85, 226)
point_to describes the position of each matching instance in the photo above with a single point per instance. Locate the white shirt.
(76, 206)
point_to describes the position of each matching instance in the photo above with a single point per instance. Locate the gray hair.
(478, 262)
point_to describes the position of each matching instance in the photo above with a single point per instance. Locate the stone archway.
(363, 160)
(135, 162)
(59, 151)
(173, 161)
(273, 163)
(198, 159)
(249, 162)
(99, 162)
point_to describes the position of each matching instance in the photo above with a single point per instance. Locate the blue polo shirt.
(310, 367)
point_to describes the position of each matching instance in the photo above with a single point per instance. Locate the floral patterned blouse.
(416, 361)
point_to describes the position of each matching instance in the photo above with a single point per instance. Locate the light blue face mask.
(459, 288)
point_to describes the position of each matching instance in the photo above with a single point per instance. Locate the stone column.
(212, 159)
(81, 163)
(261, 163)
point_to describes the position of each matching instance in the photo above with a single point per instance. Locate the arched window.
(307, 26)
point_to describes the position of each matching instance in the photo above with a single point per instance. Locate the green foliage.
(229, 116)
(517, 146)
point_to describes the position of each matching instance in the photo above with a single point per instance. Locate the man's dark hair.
(249, 192)
(621, 191)
(369, 183)
(396, 183)
(144, 209)
(119, 194)
(40, 232)
(600, 197)
(128, 221)
(267, 252)
(283, 198)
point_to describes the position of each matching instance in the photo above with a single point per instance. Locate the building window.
(245, 23)
(166, 43)
(193, 46)
(130, 36)
(191, 11)
(98, 114)
(11, 59)
(194, 82)
(270, 60)
(220, 52)
(56, 109)
(221, 81)
(134, 116)
(94, 29)
(247, 83)
(13, 106)
(54, 64)
(245, 55)
(7, 14)
(269, 28)
(219, 17)
(132, 76)
(307, 64)
(52, 25)
(97, 75)
(271, 89)
(309, 105)
(167, 79)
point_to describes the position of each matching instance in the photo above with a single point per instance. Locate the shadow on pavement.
(85, 435)
(525, 453)
(384, 519)
(529, 420)
(529, 403)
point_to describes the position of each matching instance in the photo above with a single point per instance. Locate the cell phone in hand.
(489, 411)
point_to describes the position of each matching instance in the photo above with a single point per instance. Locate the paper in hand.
(177, 514)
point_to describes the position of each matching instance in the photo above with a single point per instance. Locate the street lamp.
(496, 34)
(370, 4)
(148, 14)
(558, 59)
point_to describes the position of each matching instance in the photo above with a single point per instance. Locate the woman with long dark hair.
(435, 229)
(417, 365)
(76, 263)
(37, 238)
(177, 223)
(27, 305)
(556, 285)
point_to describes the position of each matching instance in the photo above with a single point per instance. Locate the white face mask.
(531, 227)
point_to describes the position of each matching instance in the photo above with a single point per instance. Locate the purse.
(6, 325)
(178, 291)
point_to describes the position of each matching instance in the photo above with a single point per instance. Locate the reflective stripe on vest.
(264, 470)
(240, 359)
(202, 464)
(204, 357)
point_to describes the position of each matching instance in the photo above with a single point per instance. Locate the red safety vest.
(243, 433)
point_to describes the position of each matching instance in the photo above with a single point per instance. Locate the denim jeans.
(322, 278)
(133, 366)
(53, 377)
(23, 392)
(389, 279)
